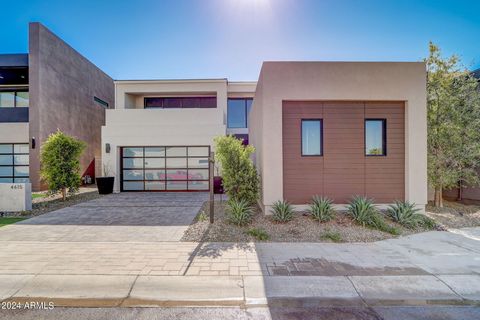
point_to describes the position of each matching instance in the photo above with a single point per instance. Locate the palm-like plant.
(321, 209)
(363, 211)
(282, 211)
(239, 212)
(405, 213)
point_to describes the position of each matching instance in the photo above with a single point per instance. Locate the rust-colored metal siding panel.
(300, 174)
(343, 171)
(385, 176)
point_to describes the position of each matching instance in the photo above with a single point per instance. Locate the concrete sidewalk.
(247, 291)
(432, 267)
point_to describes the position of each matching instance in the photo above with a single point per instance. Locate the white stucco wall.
(15, 197)
(355, 81)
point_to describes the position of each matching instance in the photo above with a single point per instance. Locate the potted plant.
(105, 183)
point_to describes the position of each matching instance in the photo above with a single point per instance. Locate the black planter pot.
(105, 184)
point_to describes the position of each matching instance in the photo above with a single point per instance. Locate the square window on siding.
(312, 137)
(375, 137)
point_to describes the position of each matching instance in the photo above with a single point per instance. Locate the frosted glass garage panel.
(197, 162)
(198, 151)
(21, 159)
(176, 185)
(133, 152)
(154, 174)
(6, 159)
(132, 185)
(198, 185)
(176, 151)
(132, 174)
(198, 174)
(154, 151)
(21, 171)
(133, 163)
(176, 162)
(155, 185)
(154, 163)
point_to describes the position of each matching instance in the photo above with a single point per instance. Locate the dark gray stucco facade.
(62, 85)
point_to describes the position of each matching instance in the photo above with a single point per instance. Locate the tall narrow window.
(312, 137)
(375, 137)
(237, 113)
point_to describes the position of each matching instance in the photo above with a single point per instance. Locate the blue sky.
(148, 39)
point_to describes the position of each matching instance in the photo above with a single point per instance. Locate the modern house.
(160, 134)
(51, 87)
(336, 129)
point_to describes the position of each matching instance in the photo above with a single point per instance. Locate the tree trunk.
(64, 193)
(460, 191)
(438, 197)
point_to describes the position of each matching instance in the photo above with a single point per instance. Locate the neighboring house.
(341, 129)
(160, 134)
(336, 129)
(52, 87)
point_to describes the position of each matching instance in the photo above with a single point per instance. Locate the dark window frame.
(181, 99)
(15, 91)
(164, 168)
(102, 103)
(13, 165)
(384, 137)
(321, 136)
(245, 109)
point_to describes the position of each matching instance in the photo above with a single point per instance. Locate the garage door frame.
(187, 157)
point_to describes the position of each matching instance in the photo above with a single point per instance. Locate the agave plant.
(363, 211)
(405, 213)
(282, 211)
(321, 209)
(239, 212)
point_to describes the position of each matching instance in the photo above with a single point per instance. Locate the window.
(375, 137)
(237, 113)
(312, 137)
(14, 163)
(12, 99)
(180, 102)
(101, 102)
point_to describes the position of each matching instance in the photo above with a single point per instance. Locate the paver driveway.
(116, 217)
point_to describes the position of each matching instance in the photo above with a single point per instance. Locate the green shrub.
(363, 211)
(202, 216)
(258, 233)
(321, 209)
(427, 223)
(282, 211)
(333, 236)
(240, 177)
(405, 213)
(60, 163)
(239, 212)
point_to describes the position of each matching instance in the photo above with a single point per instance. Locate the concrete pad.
(76, 290)
(331, 290)
(468, 286)
(403, 289)
(186, 291)
(9, 284)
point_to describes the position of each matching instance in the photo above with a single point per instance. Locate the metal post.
(211, 163)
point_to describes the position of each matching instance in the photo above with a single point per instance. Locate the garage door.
(179, 168)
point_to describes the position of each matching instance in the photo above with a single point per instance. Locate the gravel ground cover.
(455, 214)
(301, 229)
(41, 205)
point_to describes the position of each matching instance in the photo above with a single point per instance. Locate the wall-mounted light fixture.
(107, 147)
(33, 143)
